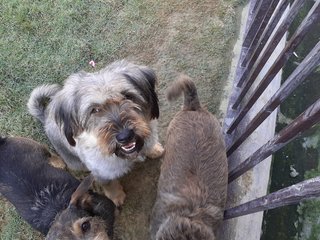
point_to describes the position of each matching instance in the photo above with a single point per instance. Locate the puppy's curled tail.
(39, 99)
(185, 84)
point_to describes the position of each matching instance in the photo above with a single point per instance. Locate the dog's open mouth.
(129, 147)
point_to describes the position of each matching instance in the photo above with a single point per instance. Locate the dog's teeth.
(129, 146)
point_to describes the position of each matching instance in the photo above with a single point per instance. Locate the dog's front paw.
(114, 191)
(156, 151)
(119, 198)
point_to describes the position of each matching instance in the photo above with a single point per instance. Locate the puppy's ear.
(81, 198)
(63, 116)
(145, 81)
(96, 204)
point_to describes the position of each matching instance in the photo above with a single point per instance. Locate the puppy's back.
(194, 138)
(35, 188)
(196, 158)
(192, 187)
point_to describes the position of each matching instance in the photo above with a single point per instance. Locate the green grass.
(45, 41)
(15, 228)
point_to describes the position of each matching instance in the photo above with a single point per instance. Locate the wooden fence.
(259, 43)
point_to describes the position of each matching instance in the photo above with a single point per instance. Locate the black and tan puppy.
(192, 187)
(50, 199)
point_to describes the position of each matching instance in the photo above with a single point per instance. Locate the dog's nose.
(125, 135)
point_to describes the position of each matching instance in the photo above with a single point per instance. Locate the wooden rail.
(256, 50)
(295, 40)
(258, 44)
(302, 123)
(295, 79)
(283, 28)
(286, 196)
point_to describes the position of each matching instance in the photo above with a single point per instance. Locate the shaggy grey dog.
(192, 187)
(103, 121)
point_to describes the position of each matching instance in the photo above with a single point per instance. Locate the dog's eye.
(85, 226)
(96, 110)
(138, 108)
(128, 96)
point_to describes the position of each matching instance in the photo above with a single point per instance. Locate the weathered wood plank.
(260, 14)
(303, 122)
(307, 189)
(250, 60)
(269, 10)
(311, 61)
(253, 71)
(309, 21)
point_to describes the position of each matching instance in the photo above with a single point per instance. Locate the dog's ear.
(145, 82)
(63, 116)
(152, 79)
(81, 198)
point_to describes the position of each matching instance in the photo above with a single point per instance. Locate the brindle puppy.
(192, 186)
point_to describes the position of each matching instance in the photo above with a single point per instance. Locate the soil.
(208, 73)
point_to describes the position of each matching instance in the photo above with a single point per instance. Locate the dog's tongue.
(129, 146)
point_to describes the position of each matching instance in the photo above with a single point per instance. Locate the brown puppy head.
(110, 109)
(89, 216)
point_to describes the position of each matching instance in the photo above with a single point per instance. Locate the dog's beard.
(127, 149)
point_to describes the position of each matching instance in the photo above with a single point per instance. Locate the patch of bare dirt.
(191, 37)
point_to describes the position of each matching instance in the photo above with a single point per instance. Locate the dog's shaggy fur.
(192, 186)
(51, 198)
(102, 121)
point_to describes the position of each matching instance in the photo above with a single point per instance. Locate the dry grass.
(44, 42)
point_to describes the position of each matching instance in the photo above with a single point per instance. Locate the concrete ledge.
(254, 183)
